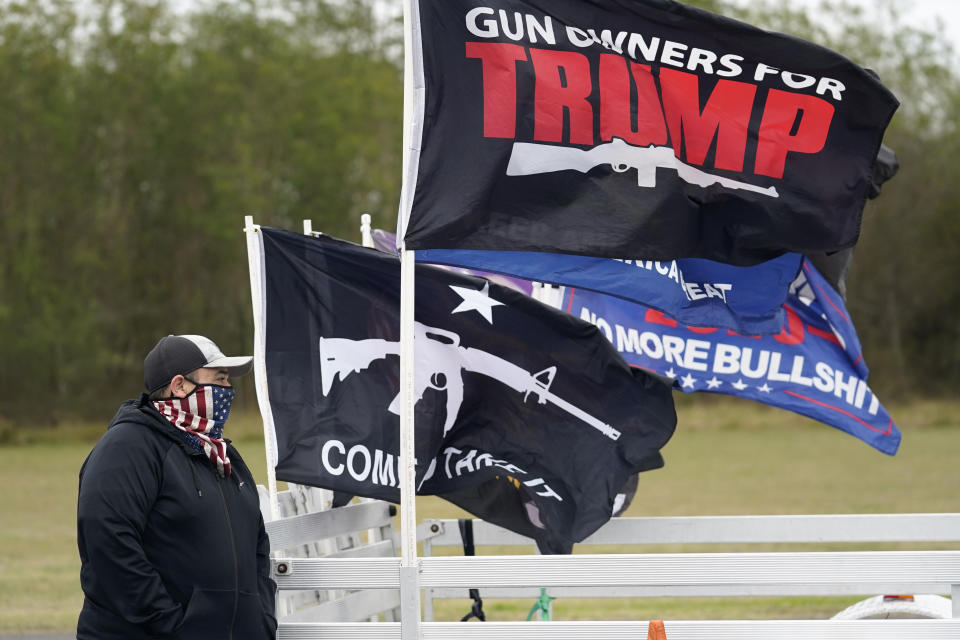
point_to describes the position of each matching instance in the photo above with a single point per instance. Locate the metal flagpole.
(409, 563)
(255, 262)
(412, 117)
(366, 239)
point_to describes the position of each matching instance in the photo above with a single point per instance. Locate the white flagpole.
(409, 563)
(413, 94)
(255, 262)
(366, 239)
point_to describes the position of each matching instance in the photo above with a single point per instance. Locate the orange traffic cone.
(656, 631)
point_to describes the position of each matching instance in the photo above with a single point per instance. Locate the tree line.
(135, 136)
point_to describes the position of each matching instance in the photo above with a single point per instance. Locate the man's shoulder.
(125, 430)
(128, 437)
(124, 445)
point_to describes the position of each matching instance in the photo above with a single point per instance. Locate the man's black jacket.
(169, 549)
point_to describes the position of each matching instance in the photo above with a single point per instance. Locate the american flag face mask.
(201, 416)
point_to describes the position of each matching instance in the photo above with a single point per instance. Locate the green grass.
(727, 457)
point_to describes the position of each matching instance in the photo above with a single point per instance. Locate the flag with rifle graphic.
(525, 416)
(644, 129)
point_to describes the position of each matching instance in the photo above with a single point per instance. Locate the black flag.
(643, 129)
(525, 416)
(835, 266)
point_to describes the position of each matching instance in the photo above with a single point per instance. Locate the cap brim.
(236, 365)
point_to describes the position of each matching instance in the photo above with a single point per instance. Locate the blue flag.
(813, 366)
(693, 291)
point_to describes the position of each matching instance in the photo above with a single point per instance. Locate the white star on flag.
(739, 385)
(479, 301)
(670, 373)
(688, 380)
(713, 383)
(764, 388)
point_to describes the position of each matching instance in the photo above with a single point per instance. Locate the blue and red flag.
(693, 291)
(813, 366)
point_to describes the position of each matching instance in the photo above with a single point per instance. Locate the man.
(172, 544)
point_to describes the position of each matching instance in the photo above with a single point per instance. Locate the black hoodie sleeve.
(268, 588)
(119, 483)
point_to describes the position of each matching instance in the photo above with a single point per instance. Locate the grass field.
(728, 457)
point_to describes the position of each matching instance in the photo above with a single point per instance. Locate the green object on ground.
(542, 605)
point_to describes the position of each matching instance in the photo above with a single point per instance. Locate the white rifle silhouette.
(529, 158)
(440, 359)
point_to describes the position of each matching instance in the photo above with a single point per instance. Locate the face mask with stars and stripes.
(201, 416)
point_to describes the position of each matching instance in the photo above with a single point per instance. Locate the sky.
(925, 13)
(921, 13)
(917, 12)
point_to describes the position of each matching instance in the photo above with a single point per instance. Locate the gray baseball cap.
(179, 355)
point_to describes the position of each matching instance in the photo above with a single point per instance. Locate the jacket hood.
(141, 411)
